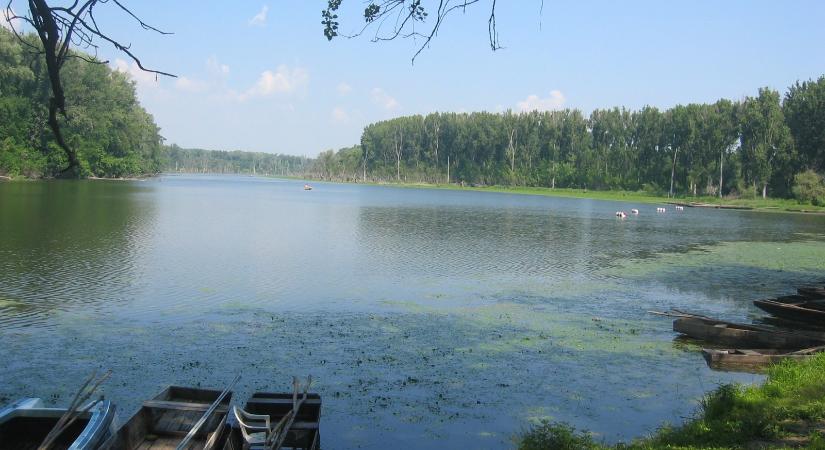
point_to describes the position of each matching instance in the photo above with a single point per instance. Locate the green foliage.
(791, 399)
(809, 187)
(194, 160)
(804, 109)
(556, 436)
(726, 148)
(112, 134)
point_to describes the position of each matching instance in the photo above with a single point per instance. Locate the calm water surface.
(429, 318)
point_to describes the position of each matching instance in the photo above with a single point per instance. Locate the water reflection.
(70, 247)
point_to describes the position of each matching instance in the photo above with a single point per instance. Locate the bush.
(809, 187)
(556, 436)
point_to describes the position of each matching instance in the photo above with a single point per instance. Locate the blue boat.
(25, 423)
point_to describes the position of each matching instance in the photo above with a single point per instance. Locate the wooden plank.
(183, 406)
(165, 420)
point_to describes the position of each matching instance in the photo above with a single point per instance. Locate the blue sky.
(259, 75)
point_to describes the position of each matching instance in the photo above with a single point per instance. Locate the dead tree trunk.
(399, 148)
(673, 172)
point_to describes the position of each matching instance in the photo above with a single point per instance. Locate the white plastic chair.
(255, 428)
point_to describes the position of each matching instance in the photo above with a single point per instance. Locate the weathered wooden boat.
(171, 417)
(743, 335)
(801, 300)
(812, 292)
(303, 433)
(25, 423)
(802, 327)
(752, 360)
(792, 311)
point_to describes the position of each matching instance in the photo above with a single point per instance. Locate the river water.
(428, 318)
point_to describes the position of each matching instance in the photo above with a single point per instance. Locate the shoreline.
(767, 205)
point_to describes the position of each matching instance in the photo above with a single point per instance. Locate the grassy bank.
(787, 411)
(769, 204)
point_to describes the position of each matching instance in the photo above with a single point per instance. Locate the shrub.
(809, 187)
(556, 436)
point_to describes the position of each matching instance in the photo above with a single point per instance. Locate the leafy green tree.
(804, 110)
(766, 139)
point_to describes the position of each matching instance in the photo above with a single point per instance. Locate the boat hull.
(755, 361)
(24, 424)
(162, 422)
(304, 433)
(791, 311)
(741, 336)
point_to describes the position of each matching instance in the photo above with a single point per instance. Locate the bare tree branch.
(405, 14)
(59, 28)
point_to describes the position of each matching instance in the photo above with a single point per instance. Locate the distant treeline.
(113, 135)
(757, 146)
(195, 160)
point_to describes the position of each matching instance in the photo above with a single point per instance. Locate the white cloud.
(141, 77)
(339, 115)
(343, 88)
(8, 24)
(191, 85)
(259, 20)
(282, 81)
(383, 99)
(215, 68)
(535, 103)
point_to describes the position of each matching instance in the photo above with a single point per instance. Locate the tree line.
(112, 134)
(195, 160)
(761, 145)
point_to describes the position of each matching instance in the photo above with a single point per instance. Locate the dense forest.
(193, 160)
(113, 135)
(761, 145)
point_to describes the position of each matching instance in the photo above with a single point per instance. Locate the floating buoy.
(634, 211)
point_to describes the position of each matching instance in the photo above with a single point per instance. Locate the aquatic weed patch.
(426, 376)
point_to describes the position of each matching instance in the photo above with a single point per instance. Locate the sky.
(260, 75)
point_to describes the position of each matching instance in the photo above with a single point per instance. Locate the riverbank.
(786, 411)
(758, 204)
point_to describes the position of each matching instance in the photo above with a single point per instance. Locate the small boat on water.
(802, 312)
(307, 187)
(174, 415)
(812, 292)
(752, 360)
(304, 430)
(801, 300)
(801, 327)
(25, 423)
(744, 336)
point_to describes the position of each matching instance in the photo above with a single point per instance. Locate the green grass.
(768, 204)
(789, 406)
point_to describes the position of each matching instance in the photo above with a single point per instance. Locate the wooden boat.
(752, 360)
(792, 311)
(795, 325)
(25, 423)
(801, 300)
(305, 431)
(163, 422)
(812, 292)
(742, 335)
